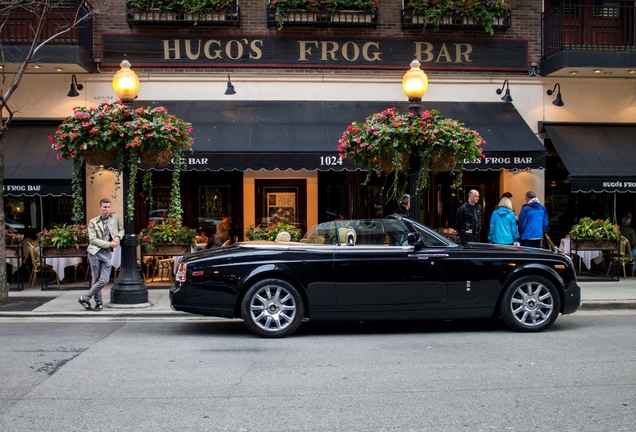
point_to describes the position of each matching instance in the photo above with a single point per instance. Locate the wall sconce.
(534, 66)
(506, 97)
(230, 87)
(72, 92)
(558, 101)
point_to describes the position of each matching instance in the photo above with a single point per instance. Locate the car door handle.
(427, 256)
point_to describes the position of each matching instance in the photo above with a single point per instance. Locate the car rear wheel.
(530, 304)
(272, 308)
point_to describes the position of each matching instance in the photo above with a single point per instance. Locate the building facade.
(268, 152)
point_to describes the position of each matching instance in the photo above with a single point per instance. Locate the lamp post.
(414, 84)
(129, 288)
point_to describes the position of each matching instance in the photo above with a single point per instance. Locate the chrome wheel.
(272, 308)
(530, 304)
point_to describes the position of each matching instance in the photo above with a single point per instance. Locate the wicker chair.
(622, 258)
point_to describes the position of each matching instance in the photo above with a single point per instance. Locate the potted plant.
(13, 242)
(594, 234)
(113, 132)
(386, 141)
(64, 240)
(435, 12)
(211, 10)
(352, 10)
(166, 238)
(269, 233)
(295, 10)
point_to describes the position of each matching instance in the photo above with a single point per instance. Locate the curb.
(607, 304)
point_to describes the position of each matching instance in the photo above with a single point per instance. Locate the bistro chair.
(38, 266)
(622, 258)
(550, 244)
(163, 264)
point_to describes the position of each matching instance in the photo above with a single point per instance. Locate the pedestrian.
(503, 224)
(468, 219)
(104, 234)
(628, 232)
(533, 220)
(404, 205)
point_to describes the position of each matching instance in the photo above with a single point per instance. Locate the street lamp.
(129, 288)
(414, 84)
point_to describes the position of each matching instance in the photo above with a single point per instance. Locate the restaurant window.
(281, 201)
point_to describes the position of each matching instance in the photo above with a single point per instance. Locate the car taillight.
(181, 273)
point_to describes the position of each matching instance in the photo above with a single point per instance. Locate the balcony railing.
(231, 16)
(21, 24)
(571, 26)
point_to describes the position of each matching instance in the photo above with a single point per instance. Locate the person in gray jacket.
(104, 234)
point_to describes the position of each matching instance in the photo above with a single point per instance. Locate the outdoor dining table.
(586, 256)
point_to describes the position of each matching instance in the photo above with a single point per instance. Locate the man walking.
(104, 233)
(404, 205)
(533, 220)
(468, 219)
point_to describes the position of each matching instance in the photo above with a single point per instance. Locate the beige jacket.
(96, 232)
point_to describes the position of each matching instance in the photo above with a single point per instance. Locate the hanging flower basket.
(156, 157)
(441, 163)
(97, 157)
(393, 161)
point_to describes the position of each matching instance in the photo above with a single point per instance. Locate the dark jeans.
(531, 243)
(472, 237)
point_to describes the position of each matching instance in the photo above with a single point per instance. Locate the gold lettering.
(167, 50)
(443, 53)
(206, 49)
(424, 55)
(239, 50)
(329, 52)
(354, 49)
(365, 51)
(459, 53)
(305, 49)
(256, 46)
(189, 53)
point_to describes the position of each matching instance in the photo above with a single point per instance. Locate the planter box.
(301, 16)
(14, 251)
(52, 251)
(154, 15)
(205, 16)
(351, 16)
(166, 249)
(591, 244)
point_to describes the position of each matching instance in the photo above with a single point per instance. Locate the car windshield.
(371, 232)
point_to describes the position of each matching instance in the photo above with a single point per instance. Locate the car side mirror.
(412, 239)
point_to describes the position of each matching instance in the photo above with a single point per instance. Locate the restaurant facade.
(268, 152)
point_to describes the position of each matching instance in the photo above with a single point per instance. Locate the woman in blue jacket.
(503, 224)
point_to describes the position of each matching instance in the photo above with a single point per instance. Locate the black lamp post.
(414, 84)
(129, 288)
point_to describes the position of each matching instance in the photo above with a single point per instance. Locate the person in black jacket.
(404, 204)
(468, 218)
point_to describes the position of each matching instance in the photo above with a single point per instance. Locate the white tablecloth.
(587, 256)
(59, 264)
(13, 262)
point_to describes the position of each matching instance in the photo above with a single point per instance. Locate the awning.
(597, 157)
(237, 135)
(30, 165)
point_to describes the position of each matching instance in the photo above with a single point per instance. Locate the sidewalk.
(601, 294)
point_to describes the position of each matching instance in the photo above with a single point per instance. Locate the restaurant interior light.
(506, 97)
(230, 88)
(73, 92)
(558, 101)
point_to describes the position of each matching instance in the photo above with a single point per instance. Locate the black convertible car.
(381, 269)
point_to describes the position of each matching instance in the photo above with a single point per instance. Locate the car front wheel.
(530, 304)
(272, 308)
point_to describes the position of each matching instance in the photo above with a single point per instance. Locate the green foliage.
(272, 231)
(64, 235)
(597, 229)
(366, 6)
(173, 5)
(386, 140)
(483, 11)
(169, 231)
(126, 131)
